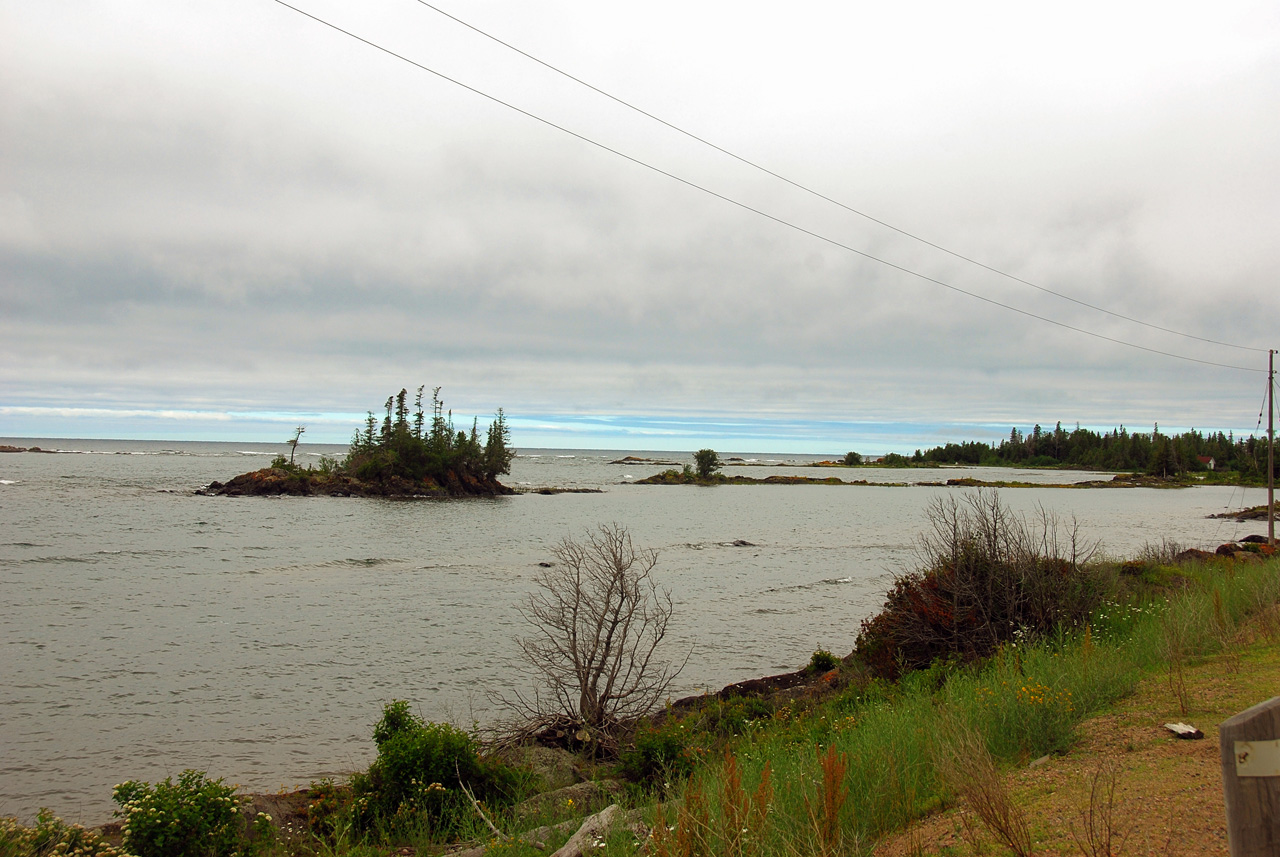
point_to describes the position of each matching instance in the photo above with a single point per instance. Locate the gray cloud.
(232, 208)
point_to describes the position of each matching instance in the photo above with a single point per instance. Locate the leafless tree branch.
(598, 620)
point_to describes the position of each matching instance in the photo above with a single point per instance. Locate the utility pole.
(1271, 448)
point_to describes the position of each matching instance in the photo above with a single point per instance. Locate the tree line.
(409, 445)
(1149, 452)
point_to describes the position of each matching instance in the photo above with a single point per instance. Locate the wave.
(800, 587)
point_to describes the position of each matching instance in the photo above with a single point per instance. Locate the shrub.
(991, 576)
(419, 774)
(659, 755)
(734, 715)
(327, 809)
(851, 459)
(396, 719)
(195, 816)
(51, 837)
(672, 750)
(822, 661)
(707, 463)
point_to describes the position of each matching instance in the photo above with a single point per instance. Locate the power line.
(753, 210)
(821, 195)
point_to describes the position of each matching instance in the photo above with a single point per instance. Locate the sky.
(222, 220)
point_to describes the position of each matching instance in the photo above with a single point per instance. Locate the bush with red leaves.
(990, 576)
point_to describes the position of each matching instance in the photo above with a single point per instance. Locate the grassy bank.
(1163, 796)
(895, 748)
(847, 764)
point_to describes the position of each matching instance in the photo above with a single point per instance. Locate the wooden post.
(1250, 744)
(1271, 448)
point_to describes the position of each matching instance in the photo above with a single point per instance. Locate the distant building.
(1206, 460)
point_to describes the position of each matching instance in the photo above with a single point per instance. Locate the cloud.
(235, 209)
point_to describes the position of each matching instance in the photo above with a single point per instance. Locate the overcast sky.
(219, 220)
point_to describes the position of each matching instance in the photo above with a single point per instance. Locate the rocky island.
(407, 455)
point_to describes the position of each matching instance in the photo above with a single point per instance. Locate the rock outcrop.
(275, 481)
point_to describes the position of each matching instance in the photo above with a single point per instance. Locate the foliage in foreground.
(51, 837)
(871, 760)
(194, 817)
(422, 775)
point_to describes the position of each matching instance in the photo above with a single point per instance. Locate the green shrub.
(51, 837)
(822, 662)
(418, 775)
(659, 755)
(707, 463)
(396, 719)
(736, 714)
(328, 809)
(672, 750)
(195, 816)
(863, 695)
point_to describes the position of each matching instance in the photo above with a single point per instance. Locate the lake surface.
(148, 630)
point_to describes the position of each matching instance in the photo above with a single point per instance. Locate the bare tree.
(598, 620)
(293, 441)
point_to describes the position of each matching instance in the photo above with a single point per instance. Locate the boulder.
(575, 800)
(556, 768)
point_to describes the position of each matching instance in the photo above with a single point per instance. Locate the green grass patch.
(1024, 701)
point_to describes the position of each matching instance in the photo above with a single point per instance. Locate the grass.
(1024, 703)
(1167, 794)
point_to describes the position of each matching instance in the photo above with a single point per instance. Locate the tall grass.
(1023, 702)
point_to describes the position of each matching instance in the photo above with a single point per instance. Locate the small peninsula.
(407, 455)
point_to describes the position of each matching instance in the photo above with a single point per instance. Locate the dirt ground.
(1168, 792)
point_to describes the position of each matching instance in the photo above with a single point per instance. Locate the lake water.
(148, 630)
